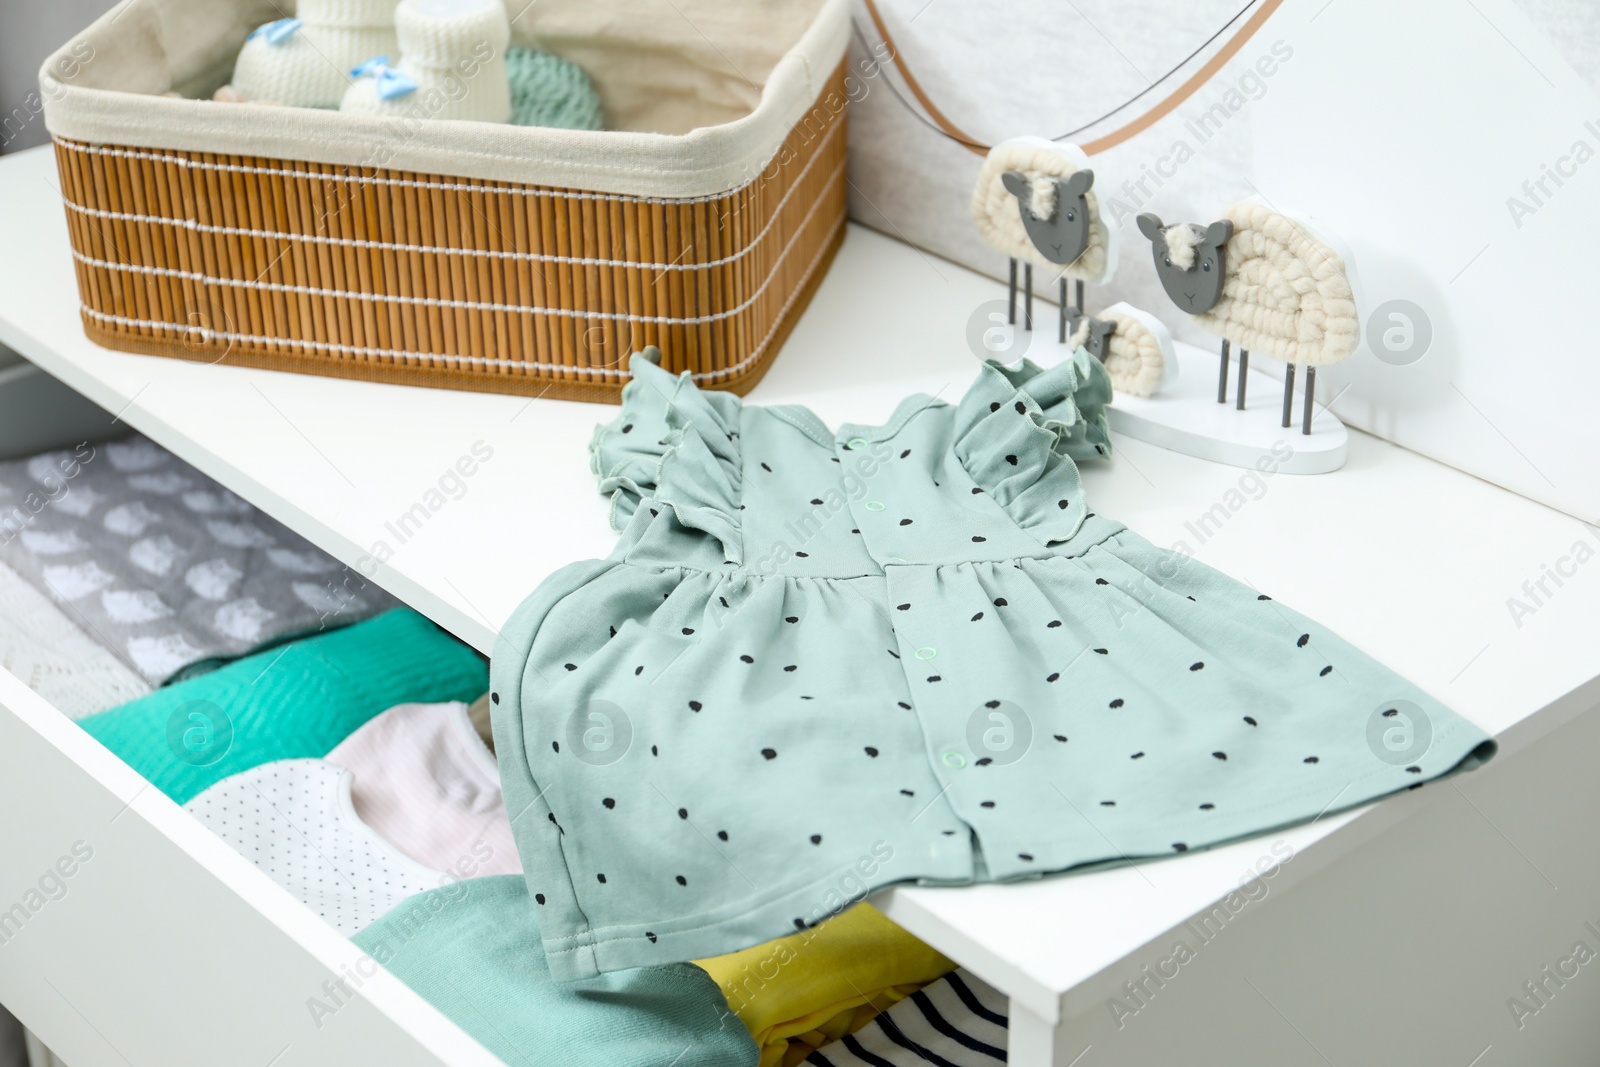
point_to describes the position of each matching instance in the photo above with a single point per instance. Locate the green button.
(926, 652)
(874, 505)
(858, 443)
(955, 760)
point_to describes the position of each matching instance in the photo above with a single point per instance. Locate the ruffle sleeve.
(676, 445)
(1020, 430)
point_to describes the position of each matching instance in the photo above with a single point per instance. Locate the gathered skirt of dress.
(823, 663)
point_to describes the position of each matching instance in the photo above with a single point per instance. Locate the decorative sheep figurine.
(1135, 347)
(1090, 333)
(1260, 280)
(1035, 201)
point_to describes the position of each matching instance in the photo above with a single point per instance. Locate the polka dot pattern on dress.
(849, 635)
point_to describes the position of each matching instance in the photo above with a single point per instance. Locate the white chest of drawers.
(167, 948)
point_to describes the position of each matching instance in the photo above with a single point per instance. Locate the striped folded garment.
(957, 1021)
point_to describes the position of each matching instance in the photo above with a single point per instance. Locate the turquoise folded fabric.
(473, 950)
(298, 700)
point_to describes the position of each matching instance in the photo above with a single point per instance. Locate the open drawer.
(129, 934)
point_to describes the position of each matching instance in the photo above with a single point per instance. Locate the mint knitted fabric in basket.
(547, 90)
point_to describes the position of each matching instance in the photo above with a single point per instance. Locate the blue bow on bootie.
(391, 82)
(276, 32)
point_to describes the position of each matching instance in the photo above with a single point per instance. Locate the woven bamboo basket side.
(432, 280)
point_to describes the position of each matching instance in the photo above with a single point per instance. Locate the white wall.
(1402, 128)
(29, 31)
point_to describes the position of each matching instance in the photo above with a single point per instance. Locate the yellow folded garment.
(800, 992)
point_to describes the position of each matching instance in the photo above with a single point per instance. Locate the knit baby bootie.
(306, 61)
(452, 64)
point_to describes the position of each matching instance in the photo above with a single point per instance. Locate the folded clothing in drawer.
(53, 657)
(473, 950)
(957, 1021)
(823, 983)
(296, 820)
(408, 802)
(426, 781)
(292, 702)
(161, 564)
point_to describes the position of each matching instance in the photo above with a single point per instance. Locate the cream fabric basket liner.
(700, 94)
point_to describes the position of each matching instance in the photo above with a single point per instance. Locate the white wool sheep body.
(1034, 200)
(1042, 163)
(1138, 354)
(1287, 293)
(1263, 281)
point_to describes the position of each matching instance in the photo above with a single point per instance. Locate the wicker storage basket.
(456, 254)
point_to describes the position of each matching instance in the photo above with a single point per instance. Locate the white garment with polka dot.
(294, 820)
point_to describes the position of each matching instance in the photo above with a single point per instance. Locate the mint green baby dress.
(820, 663)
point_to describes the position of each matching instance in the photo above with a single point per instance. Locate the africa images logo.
(199, 733)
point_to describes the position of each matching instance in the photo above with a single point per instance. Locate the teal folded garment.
(473, 950)
(298, 700)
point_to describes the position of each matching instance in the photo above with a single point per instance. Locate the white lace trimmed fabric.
(55, 657)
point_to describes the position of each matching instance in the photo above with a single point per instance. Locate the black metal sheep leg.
(1011, 315)
(1288, 394)
(1244, 374)
(1311, 392)
(1027, 297)
(1068, 310)
(1222, 376)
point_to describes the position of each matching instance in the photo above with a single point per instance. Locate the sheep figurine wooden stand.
(1261, 281)
(1035, 201)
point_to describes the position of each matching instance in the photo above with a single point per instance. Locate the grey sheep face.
(1098, 341)
(1193, 280)
(1062, 236)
